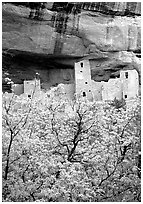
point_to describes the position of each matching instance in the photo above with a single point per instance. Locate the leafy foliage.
(55, 150)
(118, 103)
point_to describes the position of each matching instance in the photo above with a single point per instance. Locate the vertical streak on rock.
(109, 36)
(75, 27)
(86, 6)
(98, 6)
(132, 35)
(75, 23)
(117, 6)
(76, 12)
(138, 8)
(131, 6)
(60, 28)
(129, 31)
(122, 7)
(108, 32)
(92, 6)
(138, 37)
(111, 6)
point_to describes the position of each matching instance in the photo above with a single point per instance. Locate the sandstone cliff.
(108, 33)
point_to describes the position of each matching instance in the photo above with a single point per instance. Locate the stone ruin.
(29, 88)
(124, 87)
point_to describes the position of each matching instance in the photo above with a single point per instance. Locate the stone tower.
(32, 87)
(83, 82)
(130, 83)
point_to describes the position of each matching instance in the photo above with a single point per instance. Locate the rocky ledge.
(108, 33)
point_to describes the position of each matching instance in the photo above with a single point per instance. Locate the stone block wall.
(130, 83)
(69, 90)
(125, 87)
(18, 89)
(83, 83)
(32, 86)
(112, 89)
(97, 90)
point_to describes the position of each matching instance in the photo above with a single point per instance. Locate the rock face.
(69, 34)
(67, 31)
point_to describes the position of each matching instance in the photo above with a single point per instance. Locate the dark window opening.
(29, 96)
(81, 64)
(126, 75)
(139, 55)
(125, 96)
(89, 90)
(114, 76)
(84, 94)
(86, 82)
(80, 71)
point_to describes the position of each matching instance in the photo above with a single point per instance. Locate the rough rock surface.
(109, 32)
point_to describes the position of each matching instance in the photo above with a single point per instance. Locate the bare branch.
(9, 106)
(109, 174)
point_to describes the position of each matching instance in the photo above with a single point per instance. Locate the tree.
(60, 150)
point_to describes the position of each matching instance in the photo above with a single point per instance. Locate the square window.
(126, 75)
(84, 94)
(81, 64)
(86, 82)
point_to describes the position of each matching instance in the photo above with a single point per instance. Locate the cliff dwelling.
(58, 41)
(124, 87)
(71, 101)
(79, 83)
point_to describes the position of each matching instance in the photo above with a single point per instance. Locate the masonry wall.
(69, 90)
(32, 86)
(83, 83)
(112, 89)
(18, 89)
(97, 90)
(130, 83)
(126, 87)
(107, 90)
